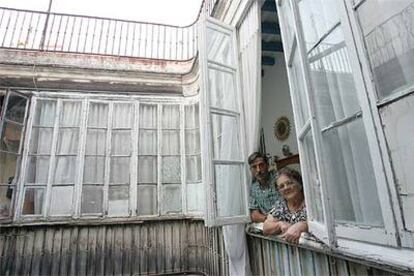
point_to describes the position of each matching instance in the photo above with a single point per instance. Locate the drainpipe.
(42, 40)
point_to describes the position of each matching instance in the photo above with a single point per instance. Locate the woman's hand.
(293, 233)
(284, 226)
(271, 226)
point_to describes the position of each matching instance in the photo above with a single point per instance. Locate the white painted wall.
(275, 104)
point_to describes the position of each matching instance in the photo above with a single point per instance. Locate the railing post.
(43, 38)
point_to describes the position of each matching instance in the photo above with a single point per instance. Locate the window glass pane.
(195, 197)
(121, 142)
(312, 181)
(8, 168)
(119, 172)
(37, 169)
(287, 18)
(147, 200)
(10, 137)
(41, 140)
(192, 141)
(171, 199)
(219, 47)
(98, 115)
(6, 197)
(331, 73)
(193, 168)
(118, 201)
(147, 142)
(122, 117)
(65, 171)
(147, 169)
(170, 117)
(33, 201)
(299, 89)
(317, 16)
(92, 199)
(94, 170)
(226, 145)
(229, 190)
(70, 114)
(397, 119)
(171, 169)
(192, 119)
(148, 116)
(95, 141)
(16, 108)
(222, 89)
(350, 175)
(45, 113)
(68, 140)
(171, 142)
(61, 203)
(390, 43)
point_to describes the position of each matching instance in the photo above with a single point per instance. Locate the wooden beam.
(272, 46)
(270, 28)
(269, 5)
(266, 60)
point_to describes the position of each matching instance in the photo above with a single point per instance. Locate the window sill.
(34, 221)
(387, 258)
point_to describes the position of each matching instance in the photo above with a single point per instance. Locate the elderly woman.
(289, 215)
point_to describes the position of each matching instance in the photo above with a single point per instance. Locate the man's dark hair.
(291, 173)
(256, 155)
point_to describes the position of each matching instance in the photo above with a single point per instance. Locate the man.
(263, 192)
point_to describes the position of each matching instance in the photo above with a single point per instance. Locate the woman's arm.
(293, 233)
(274, 226)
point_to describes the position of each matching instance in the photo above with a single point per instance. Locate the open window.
(343, 177)
(12, 125)
(225, 168)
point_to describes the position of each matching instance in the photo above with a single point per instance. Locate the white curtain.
(250, 60)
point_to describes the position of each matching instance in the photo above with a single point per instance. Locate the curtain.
(250, 60)
(171, 160)
(147, 160)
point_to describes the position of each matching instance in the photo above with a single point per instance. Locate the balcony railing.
(33, 30)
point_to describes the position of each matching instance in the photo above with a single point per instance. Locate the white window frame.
(85, 101)
(322, 230)
(406, 237)
(20, 153)
(331, 229)
(211, 216)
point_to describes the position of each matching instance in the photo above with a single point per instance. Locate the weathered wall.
(272, 257)
(276, 103)
(124, 249)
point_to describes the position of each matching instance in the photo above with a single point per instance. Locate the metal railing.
(33, 30)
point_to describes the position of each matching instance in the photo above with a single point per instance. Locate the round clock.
(281, 128)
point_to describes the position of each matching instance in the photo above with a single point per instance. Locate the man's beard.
(261, 176)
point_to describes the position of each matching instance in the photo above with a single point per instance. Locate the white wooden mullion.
(81, 159)
(292, 50)
(134, 162)
(159, 159)
(108, 159)
(329, 235)
(372, 123)
(24, 125)
(23, 167)
(52, 160)
(182, 161)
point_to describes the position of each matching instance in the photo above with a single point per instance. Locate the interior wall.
(275, 104)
